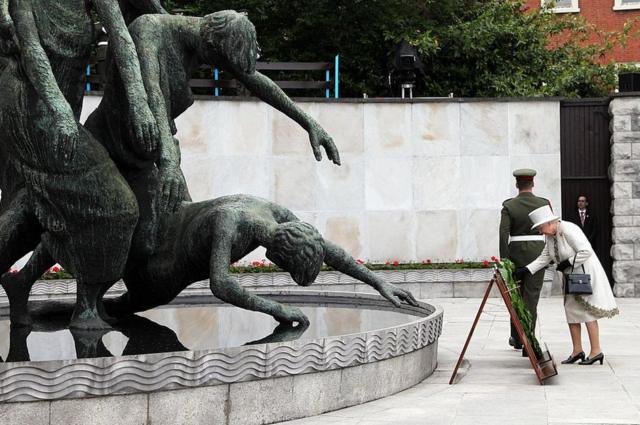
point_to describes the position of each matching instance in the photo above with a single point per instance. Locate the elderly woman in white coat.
(568, 247)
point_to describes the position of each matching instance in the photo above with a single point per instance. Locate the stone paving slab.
(497, 386)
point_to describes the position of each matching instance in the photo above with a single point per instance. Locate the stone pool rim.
(132, 374)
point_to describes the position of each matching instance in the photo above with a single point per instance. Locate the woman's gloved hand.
(563, 265)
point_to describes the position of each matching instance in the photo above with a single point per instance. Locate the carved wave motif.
(285, 360)
(350, 352)
(381, 347)
(279, 280)
(408, 339)
(330, 278)
(420, 276)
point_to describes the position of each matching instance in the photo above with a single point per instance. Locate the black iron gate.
(585, 156)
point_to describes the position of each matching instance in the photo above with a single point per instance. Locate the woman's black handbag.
(576, 283)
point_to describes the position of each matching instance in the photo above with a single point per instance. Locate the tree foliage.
(470, 47)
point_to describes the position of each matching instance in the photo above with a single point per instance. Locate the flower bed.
(264, 266)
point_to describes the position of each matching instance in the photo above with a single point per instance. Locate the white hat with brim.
(542, 215)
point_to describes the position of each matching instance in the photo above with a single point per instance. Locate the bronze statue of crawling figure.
(203, 238)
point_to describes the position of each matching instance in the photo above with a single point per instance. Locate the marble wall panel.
(484, 129)
(257, 254)
(387, 129)
(346, 127)
(435, 129)
(340, 187)
(89, 104)
(478, 237)
(390, 235)
(199, 174)
(241, 174)
(485, 181)
(534, 128)
(347, 232)
(243, 128)
(288, 138)
(436, 183)
(387, 184)
(199, 128)
(295, 182)
(437, 235)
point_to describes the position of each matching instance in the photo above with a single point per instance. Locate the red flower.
(255, 263)
(359, 261)
(494, 259)
(55, 269)
(485, 263)
(395, 263)
(387, 263)
(427, 261)
(13, 271)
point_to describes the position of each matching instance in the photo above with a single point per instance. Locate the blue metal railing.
(218, 84)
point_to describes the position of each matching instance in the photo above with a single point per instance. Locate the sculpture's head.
(230, 37)
(298, 248)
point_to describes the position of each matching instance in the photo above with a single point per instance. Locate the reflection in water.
(175, 328)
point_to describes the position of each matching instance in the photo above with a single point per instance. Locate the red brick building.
(608, 15)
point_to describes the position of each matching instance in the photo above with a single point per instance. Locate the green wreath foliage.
(506, 268)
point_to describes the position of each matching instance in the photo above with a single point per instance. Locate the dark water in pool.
(185, 328)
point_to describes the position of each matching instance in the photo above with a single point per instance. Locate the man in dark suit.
(586, 219)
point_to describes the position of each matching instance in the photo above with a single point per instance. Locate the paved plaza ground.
(498, 386)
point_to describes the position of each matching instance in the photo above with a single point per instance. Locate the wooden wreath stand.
(544, 367)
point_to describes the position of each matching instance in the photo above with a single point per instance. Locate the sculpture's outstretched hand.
(391, 292)
(289, 314)
(144, 128)
(318, 137)
(173, 188)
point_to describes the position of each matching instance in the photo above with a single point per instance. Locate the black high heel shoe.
(592, 360)
(573, 359)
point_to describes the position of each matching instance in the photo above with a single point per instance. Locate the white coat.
(570, 243)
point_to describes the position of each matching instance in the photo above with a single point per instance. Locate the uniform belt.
(526, 238)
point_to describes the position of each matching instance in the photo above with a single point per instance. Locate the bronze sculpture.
(130, 183)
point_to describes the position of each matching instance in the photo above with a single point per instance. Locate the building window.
(626, 4)
(563, 6)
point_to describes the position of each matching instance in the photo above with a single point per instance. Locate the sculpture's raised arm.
(340, 260)
(228, 39)
(145, 129)
(38, 69)
(265, 89)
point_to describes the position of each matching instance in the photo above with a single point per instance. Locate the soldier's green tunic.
(515, 221)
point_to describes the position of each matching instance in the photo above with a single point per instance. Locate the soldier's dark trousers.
(530, 288)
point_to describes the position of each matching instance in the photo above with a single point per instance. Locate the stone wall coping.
(282, 279)
(392, 100)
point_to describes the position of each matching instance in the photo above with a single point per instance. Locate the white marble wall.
(418, 180)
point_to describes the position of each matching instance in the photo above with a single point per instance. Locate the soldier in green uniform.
(520, 244)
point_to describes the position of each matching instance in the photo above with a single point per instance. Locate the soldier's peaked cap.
(524, 174)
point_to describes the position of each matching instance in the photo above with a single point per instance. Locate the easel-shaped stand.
(544, 368)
